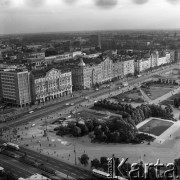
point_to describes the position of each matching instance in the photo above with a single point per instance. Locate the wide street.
(102, 92)
(60, 107)
(17, 168)
(61, 166)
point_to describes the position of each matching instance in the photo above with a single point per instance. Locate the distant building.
(128, 66)
(15, 87)
(143, 64)
(154, 58)
(177, 55)
(99, 41)
(62, 57)
(49, 84)
(117, 68)
(49, 60)
(35, 59)
(76, 53)
(35, 177)
(165, 57)
(88, 72)
(95, 55)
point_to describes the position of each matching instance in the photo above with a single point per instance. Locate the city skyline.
(30, 16)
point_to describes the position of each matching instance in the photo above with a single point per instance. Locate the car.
(97, 89)
(31, 112)
(73, 112)
(72, 104)
(33, 125)
(67, 104)
(86, 97)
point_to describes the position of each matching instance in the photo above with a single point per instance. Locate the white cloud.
(55, 15)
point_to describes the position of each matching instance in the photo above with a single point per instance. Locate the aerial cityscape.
(89, 89)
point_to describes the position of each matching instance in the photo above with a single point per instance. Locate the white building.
(128, 66)
(92, 55)
(143, 64)
(161, 60)
(62, 57)
(35, 177)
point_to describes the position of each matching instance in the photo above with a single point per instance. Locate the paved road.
(78, 100)
(61, 166)
(17, 168)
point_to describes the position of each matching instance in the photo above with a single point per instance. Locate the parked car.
(31, 112)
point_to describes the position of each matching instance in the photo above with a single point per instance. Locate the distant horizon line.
(87, 31)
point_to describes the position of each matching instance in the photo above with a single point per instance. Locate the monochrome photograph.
(89, 89)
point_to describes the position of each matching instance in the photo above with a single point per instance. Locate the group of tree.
(120, 129)
(84, 159)
(138, 114)
(176, 102)
(4, 175)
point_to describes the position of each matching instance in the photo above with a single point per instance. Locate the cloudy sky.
(29, 16)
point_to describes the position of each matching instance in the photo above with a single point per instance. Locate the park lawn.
(156, 126)
(89, 115)
(157, 92)
(170, 100)
(133, 94)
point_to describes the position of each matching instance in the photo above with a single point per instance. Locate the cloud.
(35, 3)
(5, 3)
(106, 3)
(70, 2)
(173, 1)
(140, 1)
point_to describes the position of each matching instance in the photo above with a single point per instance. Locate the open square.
(155, 127)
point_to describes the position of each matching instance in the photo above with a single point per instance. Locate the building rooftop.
(42, 72)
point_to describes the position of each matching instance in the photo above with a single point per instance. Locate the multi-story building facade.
(62, 57)
(15, 87)
(117, 68)
(35, 59)
(154, 58)
(106, 65)
(162, 59)
(177, 55)
(48, 84)
(172, 56)
(128, 66)
(90, 72)
(143, 64)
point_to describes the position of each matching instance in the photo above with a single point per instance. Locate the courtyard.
(156, 90)
(132, 95)
(155, 126)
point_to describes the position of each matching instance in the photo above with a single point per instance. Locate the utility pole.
(75, 153)
(149, 135)
(45, 131)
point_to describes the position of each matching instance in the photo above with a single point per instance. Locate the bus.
(125, 84)
(104, 175)
(11, 145)
(100, 174)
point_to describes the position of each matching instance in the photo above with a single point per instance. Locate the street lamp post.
(45, 131)
(75, 153)
(149, 135)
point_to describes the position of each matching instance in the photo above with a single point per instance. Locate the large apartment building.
(128, 66)
(48, 84)
(153, 59)
(89, 72)
(15, 87)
